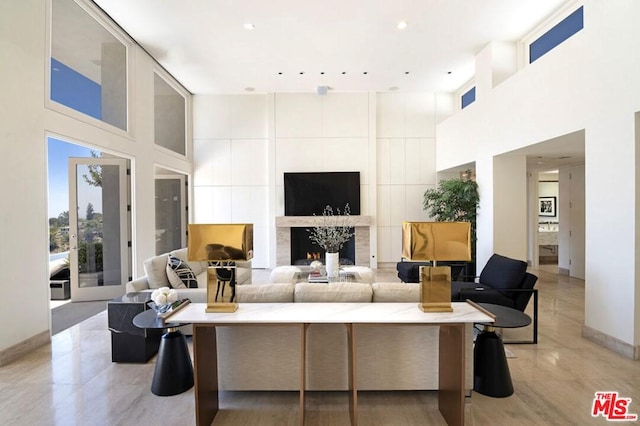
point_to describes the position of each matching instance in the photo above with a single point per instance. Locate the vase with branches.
(331, 234)
(334, 230)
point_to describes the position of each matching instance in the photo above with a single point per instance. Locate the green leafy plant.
(455, 200)
(334, 231)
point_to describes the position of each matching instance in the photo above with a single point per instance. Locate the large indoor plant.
(456, 200)
(331, 234)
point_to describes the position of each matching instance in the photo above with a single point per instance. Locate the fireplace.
(285, 224)
(303, 251)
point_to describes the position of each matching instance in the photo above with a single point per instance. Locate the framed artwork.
(547, 206)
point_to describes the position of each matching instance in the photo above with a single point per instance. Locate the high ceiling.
(347, 45)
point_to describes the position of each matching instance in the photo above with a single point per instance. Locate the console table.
(352, 315)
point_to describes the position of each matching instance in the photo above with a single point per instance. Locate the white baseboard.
(610, 342)
(16, 351)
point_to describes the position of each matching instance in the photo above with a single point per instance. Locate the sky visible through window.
(59, 153)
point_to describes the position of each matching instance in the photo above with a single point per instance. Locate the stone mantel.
(285, 223)
(303, 221)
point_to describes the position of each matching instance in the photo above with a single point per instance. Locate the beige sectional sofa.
(389, 357)
(268, 357)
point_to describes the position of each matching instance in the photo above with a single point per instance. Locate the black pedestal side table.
(128, 342)
(173, 373)
(491, 374)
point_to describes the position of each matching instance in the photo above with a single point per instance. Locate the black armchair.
(409, 271)
(503, 281)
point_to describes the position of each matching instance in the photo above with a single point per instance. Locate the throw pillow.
(180, 274)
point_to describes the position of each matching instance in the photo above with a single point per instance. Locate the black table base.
(174, 372)
(491, 374)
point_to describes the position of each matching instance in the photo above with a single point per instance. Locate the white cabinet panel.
(298, 155)
(384, 205)
(364, 199)
(298, 115)
(249, 162)
(413, 204)
(397, 161)
(428, 161)
(384, 244)
(203, 204)
(345, 115)
(413, 161)
(203, 162)
(211, 117)
(396, 243)
(345, 155)
(398, 197)
(221, 204)
(384, 162)
(249, 117)
(220, 161)
(390, 115)
(419, 115)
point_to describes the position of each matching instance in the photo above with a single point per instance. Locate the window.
(169, 116)
(556, 35)
(88, 65)
(469, 97)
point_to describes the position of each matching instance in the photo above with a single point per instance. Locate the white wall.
(245, 143)
(569, 89)
(26, 118)
(231, 164)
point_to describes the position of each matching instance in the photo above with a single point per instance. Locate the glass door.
(98, 228)
(171, 213)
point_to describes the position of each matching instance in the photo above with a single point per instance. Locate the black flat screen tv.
(306, 194)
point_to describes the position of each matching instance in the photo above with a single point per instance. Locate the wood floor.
(73, 382)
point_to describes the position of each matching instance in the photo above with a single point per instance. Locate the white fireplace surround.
(283, 235)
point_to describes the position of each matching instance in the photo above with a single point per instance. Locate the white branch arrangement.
(334, 231)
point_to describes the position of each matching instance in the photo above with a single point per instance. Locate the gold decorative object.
(435, 289)
(436, 241)
(221, 244)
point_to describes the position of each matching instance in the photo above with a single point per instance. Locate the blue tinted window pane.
(556, 35)
(74, 90)
(469, 97)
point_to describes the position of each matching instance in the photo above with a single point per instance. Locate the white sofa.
(156, 276)
(389, 357)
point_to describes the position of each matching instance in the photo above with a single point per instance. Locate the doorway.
(171, 211)
(65, 254)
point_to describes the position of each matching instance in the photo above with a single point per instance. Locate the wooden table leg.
(451, 373)
(303, 369)
(353, 374)
(205, 363)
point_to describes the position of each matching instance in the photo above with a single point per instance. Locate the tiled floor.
(72, 381)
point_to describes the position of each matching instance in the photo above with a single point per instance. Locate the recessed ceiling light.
(249, 26)
(402, 25)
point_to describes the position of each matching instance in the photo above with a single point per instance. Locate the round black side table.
(491, 374)
(173, 373)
